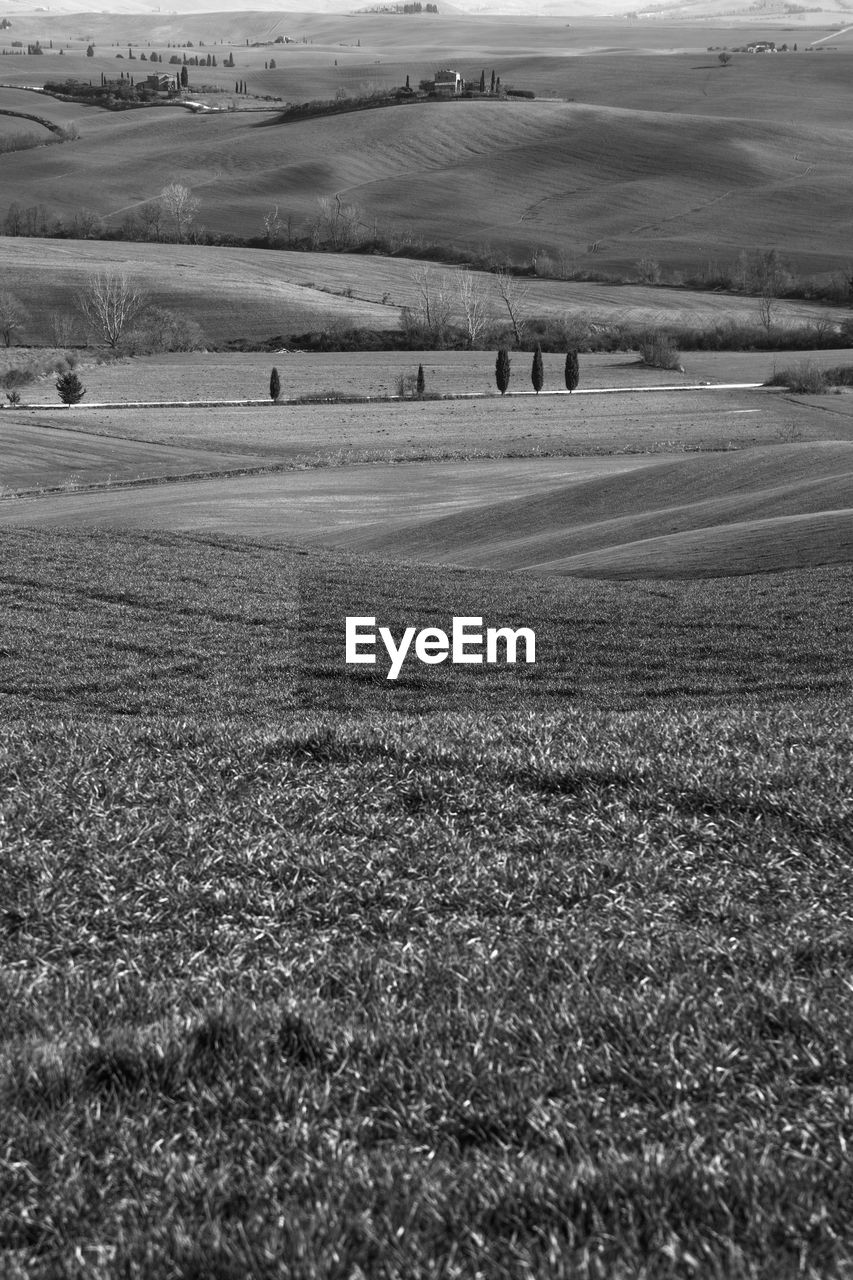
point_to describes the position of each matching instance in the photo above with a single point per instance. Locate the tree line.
(108, 303)
(571, 372)
(417, 384)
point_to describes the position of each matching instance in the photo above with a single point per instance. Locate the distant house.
(448, 82)
(160, 82)
(761, 46)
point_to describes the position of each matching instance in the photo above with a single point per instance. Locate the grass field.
(751, 510)
(97, 446)
(53, 447)
(379, 1046)
(258, 294)
(481, 990)
(196, 376)
(13, 127)
(48, 107)
(521, 483)
(758, 509)
(49, 457)
(518, 972)
(210, 627)
(715, 157)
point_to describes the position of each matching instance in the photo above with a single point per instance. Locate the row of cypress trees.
(502, 372)
(537, 372)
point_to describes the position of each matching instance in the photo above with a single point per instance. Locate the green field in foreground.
(515, 996)
(552, 982)
(141, 624)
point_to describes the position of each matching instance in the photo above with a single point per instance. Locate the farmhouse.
(449, 82)
(159, 82)
(761, 46)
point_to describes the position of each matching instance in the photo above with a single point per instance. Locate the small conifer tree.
(421, 383)
(502, 370)
(70, 388)
(537, 372)
(572, 370)
(275, 385)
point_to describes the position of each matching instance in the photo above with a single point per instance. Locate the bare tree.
(151, 216)
(433, 306)
(181, 205)
(824, 329)
(272, 227)
(13, 316)
(337, 223)
(159, 329)
(109, 303)
(762, 271)
(14, 220)
(472, 301)
(772, 274)
(86, 224)
(63, 328)
(766, 304)
(513, 294)
(649, 270)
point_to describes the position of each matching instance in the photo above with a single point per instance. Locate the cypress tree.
(275, 385)
(482, 81)
(70, 388)
(421, 380)
(492, 89)
(572, 370)
(502, 370)
(537, 372)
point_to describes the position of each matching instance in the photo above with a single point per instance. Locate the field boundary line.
(300, 402)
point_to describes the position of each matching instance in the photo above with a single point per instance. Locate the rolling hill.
(257, 294)
(713, 515)
(228, 292)
(726, 154)
(748, 511)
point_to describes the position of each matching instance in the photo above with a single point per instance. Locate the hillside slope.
(255, 293)
(756, 509)
(562, 177)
